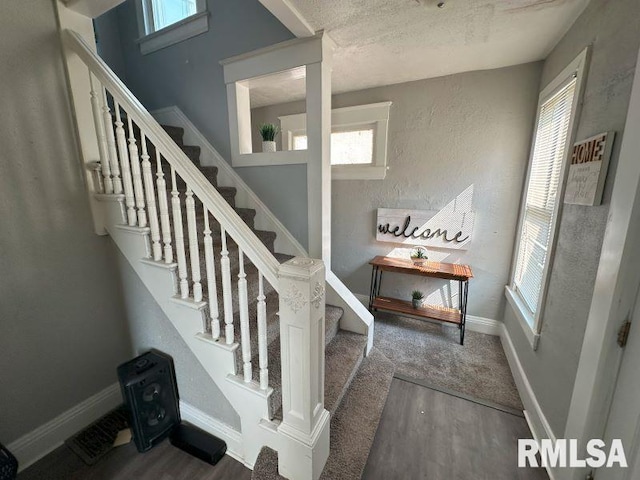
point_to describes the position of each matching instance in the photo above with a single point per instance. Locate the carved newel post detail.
(305, 421)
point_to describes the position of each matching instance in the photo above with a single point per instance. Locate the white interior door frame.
(624, 418)
(616, 285)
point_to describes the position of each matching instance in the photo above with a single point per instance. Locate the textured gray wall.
(445, 135)
(108, 42)
(615, 39)
(150, 328)
(61, 312)
(188, 74)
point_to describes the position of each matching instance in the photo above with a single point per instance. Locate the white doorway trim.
(616, 285)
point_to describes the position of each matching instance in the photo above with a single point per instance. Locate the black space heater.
(150, 391)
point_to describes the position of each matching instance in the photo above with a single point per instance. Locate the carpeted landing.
(430, 352)
(353, 425)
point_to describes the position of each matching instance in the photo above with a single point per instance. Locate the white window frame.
(152, 40)
(376, 114)
(530, 322)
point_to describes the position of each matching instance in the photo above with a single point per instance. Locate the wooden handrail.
(228, 218)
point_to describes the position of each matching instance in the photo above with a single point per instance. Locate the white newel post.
(305, 422)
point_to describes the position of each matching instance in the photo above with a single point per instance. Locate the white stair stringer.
(187, 316)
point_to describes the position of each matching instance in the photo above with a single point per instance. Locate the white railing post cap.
(300, 268)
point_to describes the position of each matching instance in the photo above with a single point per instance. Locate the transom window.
(352, 146)
(358, 140)
(162, 13)
(163, 23)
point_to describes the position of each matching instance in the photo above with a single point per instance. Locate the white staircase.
(257, 326)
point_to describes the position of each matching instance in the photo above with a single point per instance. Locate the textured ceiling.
(382, 42)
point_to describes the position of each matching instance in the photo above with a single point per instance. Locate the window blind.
(549, 150)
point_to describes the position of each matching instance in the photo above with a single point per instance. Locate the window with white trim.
(358, 140)
(542, 198)
(166, 22)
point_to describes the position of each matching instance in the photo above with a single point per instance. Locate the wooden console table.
(446, 271)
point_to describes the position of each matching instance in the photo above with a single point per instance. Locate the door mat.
(92, 443)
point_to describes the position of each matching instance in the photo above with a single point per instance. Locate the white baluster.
(211, 278)
(100, 133)
(227, 294)
(179, 234)
(147, 176)
(262, 335)
(165, 222)
(244, 319)
(194, 250)
(111, 144)
(123, 153)
(136, 174)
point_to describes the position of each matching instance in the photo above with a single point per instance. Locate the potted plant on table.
(417, 298)
(419, 256)
(268, 132)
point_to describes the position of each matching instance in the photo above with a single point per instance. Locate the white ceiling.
(382, 42)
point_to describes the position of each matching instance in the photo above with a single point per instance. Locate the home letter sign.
(588, 170)
(440, 229)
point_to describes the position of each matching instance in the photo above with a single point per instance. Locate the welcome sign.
(429, 228)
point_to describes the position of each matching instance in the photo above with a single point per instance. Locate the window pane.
(168, 12)
(353, 147)
(549, 151)
(299, 142)
(349, 147)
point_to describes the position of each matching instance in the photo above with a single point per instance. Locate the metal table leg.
(464, 311)
(372, 286)
(460, 302)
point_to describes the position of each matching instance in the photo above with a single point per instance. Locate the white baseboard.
(232, 437)
(538, 423)
(31, 447)
(474, 324)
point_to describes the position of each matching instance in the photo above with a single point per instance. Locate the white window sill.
(525, 319)
(358, 172)
(298, 157)
(182, 30)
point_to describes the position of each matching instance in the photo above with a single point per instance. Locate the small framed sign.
(588, 170)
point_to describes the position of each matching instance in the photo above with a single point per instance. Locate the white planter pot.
(269, 146)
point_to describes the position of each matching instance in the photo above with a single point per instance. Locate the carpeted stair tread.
(193, 152)
(354, 425)
(346, 349)
(211, 173)
(266, 466)
(176, 133)
(275, 374)
(342, 359)
(332, 316)
(282, 257)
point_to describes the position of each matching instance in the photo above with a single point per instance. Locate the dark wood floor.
(163, 462)
(430, 435)
(424, 434)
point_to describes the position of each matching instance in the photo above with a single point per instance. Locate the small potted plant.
(419, 256)
(268, 131)
(417, 297)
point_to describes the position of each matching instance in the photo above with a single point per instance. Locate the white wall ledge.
(179, 31)
(525, 318)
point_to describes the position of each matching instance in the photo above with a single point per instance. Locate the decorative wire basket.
(8, 464)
